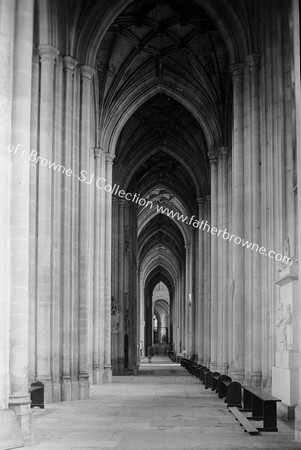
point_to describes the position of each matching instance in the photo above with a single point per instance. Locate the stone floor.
(161, 408)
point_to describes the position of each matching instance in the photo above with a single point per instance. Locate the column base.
(84, 387)
(237, 376)
(120, 366)
(285, 412)
(96, 375)
(298, 423)
(256, 378)
(213, 367)
(200, 361)
(10, 431)
(66, 389)
(22, 410)
(225, 369)
(56, 392)
(74, 390)
(107, 378)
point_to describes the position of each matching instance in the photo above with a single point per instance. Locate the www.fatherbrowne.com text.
(101, 183)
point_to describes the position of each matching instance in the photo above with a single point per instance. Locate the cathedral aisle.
(160, 408)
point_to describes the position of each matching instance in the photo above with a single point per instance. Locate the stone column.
(121, 206)
(19, 399)
(102, 265)
(213, 157)
(253, 61)
(56, 236)
(219, 243)
(207, 288)
(194, 295)
(200, 286)
(177, 337)
(237, 371)
(96, 285)
(7, 19)
(297, 106)
(148, 318)
(108, 271)
(91, 235)
(191, 297)
(186, 299)
(224, 261)
(74, 236)
(140, 313)
(69, 65)
(48, 55)
(183, 311)
(84, 384)
(114, 286)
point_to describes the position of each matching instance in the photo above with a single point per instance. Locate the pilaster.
(200, 320)
(97, 300)
(48, 55)
(237, 370)
(19, 399)
(224, 298)
(121, 279)
(102, 265)
(213, 158)
(68, 66)
(297, 105)
(187, 304)
(207, 285)
(256, 375)
(108, 271)
(86, 73)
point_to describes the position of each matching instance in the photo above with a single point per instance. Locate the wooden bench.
(208, 379)
(234, 395)
(196, 370)
(215, 377)
(248, 426)
(199, 369)
(36, 391)
(204, 373)
(263, 407)
(222, 385)
(180, 357)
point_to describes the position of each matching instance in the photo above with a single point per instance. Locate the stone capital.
(213, 156)
(48, 53)
(69, 63)
(187, 247)
(86, 72)
(208, 198)
(121, 202)
(110, 158)
(253, 61)
(201, 200)
(98, 153)
(237, 70)
(201, 204)
(224, 151)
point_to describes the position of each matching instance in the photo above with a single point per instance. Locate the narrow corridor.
(160, 408)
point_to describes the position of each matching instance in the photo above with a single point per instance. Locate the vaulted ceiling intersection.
(174, 50)
(170, 43)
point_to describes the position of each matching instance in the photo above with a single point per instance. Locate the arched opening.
(166, 142)
(164, 90)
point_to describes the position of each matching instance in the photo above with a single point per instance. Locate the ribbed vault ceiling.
(164, 89)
